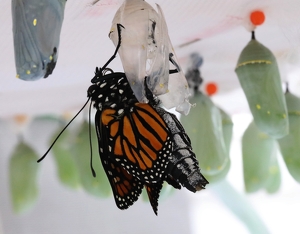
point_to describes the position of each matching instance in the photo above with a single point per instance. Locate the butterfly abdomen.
(183, 165)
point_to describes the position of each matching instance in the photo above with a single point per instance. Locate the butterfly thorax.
(113, 92)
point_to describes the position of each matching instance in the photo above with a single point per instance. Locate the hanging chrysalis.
(227, 126)
(67, 170)
(259, 160)
(97, 186)
(36, 31)
(146, 50)
(204, 127)
(23, 173)
(259, 77)
(290, 144)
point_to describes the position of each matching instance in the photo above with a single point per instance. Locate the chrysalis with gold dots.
(36, 32)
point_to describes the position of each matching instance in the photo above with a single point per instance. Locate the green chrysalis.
(259, 160)
(66, 167)
(23, 173)
(259, 77)
(204, 127)
(290, 144)
(274, 180)
(99, 185)
(227, 126)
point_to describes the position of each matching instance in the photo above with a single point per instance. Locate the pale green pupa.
(259, 77)
(290, 144)
(23, 176)
(260, 166)
(204, 127)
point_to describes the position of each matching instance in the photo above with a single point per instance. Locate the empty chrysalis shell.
(36, 31)
(23, 173)
(259, 77)
(146, 50)
(204, 127)
(290, 144)
(259, 160)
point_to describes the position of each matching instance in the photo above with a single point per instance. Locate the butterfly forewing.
(126, 188)
(138, 141)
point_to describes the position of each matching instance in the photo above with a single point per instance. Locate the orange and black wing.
(126, 188)
(153, 190)
(138, 140)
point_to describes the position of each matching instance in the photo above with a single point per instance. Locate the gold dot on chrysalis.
(268, 112)
(254, 180)
(273, 170)
(161, 85)
(284, 116)
(18, 76)
(28, 72)
(258, 106)
(208, 168)
(34, 22)
(51, 57)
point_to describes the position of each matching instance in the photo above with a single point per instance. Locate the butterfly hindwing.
(153, 191)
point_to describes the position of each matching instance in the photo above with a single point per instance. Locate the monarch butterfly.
(140, 144)
(36, 31)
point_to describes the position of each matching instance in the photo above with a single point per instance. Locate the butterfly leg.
(119, 28)
(174, 63)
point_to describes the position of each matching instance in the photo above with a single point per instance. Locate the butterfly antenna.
(63, 131)
(119, 26)
(91, 145)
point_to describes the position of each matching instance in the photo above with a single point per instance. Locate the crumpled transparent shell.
(146, 50)
(36, 31)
